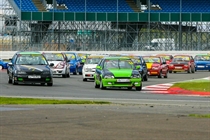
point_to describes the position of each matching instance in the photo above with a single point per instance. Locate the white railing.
(9, 54)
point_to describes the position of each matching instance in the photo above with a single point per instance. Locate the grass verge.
(12, 101)
(200, 115)
(197, 85)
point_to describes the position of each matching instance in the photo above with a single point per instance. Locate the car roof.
(115, 58)
(96, 56)
(29, 52)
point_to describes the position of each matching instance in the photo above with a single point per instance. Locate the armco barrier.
(9, 54)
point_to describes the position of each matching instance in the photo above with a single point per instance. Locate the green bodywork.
(119, 76)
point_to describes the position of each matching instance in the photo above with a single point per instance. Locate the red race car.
(182, 63)
(168, 57)
(156, 66)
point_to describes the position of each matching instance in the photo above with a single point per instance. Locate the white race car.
(90, 66)
(61, 65)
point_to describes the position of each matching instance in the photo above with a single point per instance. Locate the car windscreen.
(70, 56)
(31, 59)
(181, 59)
(202, 58)
(54, 56)
(118, 64)
(136, 61)
(152, 59)
(167, 57)
(92, 60)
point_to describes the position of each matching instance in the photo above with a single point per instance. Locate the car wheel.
(166, 75)
(193, 70)
(174, 71)
(84, 79)
(190, 70)
(96, 85)
(13, 80)
(80, 73)
(42, 84)
(145, 77)
(65, 75)
(170, 71)
(49, 84)
(68, 74)
(75, 73)
(9, 80)
(129, 88)
(101, 85)
(139, 88)
(160, 74)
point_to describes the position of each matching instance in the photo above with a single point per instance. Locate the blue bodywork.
(143, 68)
(202, 62)
(3, 64)
(74, 62)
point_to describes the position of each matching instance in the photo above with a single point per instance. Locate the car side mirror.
(51, 64)
(138, 67)
(98, 67)
(164, 62)
(10, 64)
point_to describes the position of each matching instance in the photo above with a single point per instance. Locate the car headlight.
(21, 72)
(186, 65)
(135, 76)
(109, 77)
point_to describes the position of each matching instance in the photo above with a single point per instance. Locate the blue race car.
(202, 62)
(74, 62)
(3, 64)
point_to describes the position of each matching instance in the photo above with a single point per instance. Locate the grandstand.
(104, 24)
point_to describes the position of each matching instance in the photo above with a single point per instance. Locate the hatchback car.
(61, 65)
(117, 72)
(28, 68)
(182, 63)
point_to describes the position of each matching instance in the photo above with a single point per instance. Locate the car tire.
(166, 76)
(174, 71)
(9, 81)
(42, 84)
(139, 88)
(145, 77)
(160, 74)
(84, 79)
(101, 85)
(193, 70)
(75, 73)
(65, 75)
(190, 70)
(170, 71)
(80, 73)
(49, 84)
(96, 85)
(129, 88)
(13, 80)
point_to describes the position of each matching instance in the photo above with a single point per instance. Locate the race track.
(75, 88)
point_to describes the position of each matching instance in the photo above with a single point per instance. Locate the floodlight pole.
(180, 26)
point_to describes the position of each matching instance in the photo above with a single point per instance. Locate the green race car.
(117, 72)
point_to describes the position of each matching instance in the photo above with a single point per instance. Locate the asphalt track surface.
(75, 88)
(132, 115)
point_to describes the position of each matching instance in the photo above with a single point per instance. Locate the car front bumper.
(116, 83)
(26, 79)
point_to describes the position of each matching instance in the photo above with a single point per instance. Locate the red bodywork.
(182, 63)
(156, 66)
